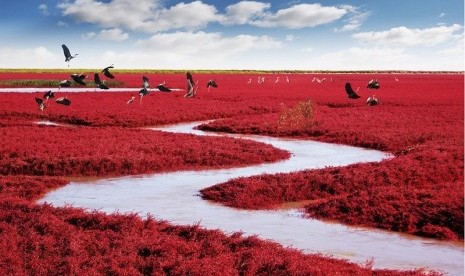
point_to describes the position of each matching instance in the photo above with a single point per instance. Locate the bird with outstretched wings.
(106, 72)
(78, 78)
(350, 92)
(67, 54)
(63, 101)
(99, 83)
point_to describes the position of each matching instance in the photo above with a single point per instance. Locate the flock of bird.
(100, 84)
(191, 85)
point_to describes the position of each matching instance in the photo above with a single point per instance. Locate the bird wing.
(49, 95)
(107, 73)
(39, 101)
(163, 88)
(66, 51)
(97, 79)
(78, 79)
(351, 92)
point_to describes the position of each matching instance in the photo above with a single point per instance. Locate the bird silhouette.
(373, 84)
(372, 101)
(79, 78)
(144, 91)
(49, 95)
(65, 83)
(99, 83)
(63, 101)
(161, 87)
(106, 72)
(67, 54)
(211, 83)
(41, 104)
(350, 92)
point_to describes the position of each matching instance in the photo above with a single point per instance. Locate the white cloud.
(43, 9)
(89, 35)
(244, 11)
(300, 16)
(27, 57)
(355, 20)
(150, 16)
(113, 35)
(403, 36)
(62, 24)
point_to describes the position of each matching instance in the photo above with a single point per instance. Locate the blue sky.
(207, 34)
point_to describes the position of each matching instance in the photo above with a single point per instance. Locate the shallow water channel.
(174, 197)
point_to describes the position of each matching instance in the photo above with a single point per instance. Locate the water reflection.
(173, 197)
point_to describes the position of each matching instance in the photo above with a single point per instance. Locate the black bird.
(106, 72)
(373, 84)
(99, 83)
(350, 92)
(79, 78)
(190, 86)
(41, 104)
(145, 81)
(63, 101)
(211, 83)
(65, 83)
(49, 95)
(67, 53)
(163, 88)
(144, 91)
(372, 101)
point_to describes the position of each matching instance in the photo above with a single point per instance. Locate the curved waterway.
(174, 197)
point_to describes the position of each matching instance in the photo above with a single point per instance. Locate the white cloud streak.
(404, 37)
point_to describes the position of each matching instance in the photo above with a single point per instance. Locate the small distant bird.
(250, 81)
(287, 79)
(79, 78)
(99, 83)
(211, 83)
(131, 100)
(49, 95)
(63, 101)
(161, 87)
(41, 104)
(350, 92)
(65, 83)
(277, 80)
(106, 72)
(318, 80)
(396, 79)
(373, 84)
(372, 101)
(67, 53)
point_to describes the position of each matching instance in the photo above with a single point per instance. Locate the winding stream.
(174, 197)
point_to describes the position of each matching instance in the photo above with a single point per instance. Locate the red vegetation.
(419, 192)
(427, 174)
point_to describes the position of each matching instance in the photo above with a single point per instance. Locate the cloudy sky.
(210, 34)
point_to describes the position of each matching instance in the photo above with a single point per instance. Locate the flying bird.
(144, 91)
(99, 83)
(63, 101)
(163, 88)
(41, 104)
(79, 78)
(67, 53)
(373, 84)
(211, 83)
(106, 72)
(145, 81)
(65, 83)
(350, 92)
(49, 95)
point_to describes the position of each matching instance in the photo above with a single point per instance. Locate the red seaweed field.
(419, 120)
